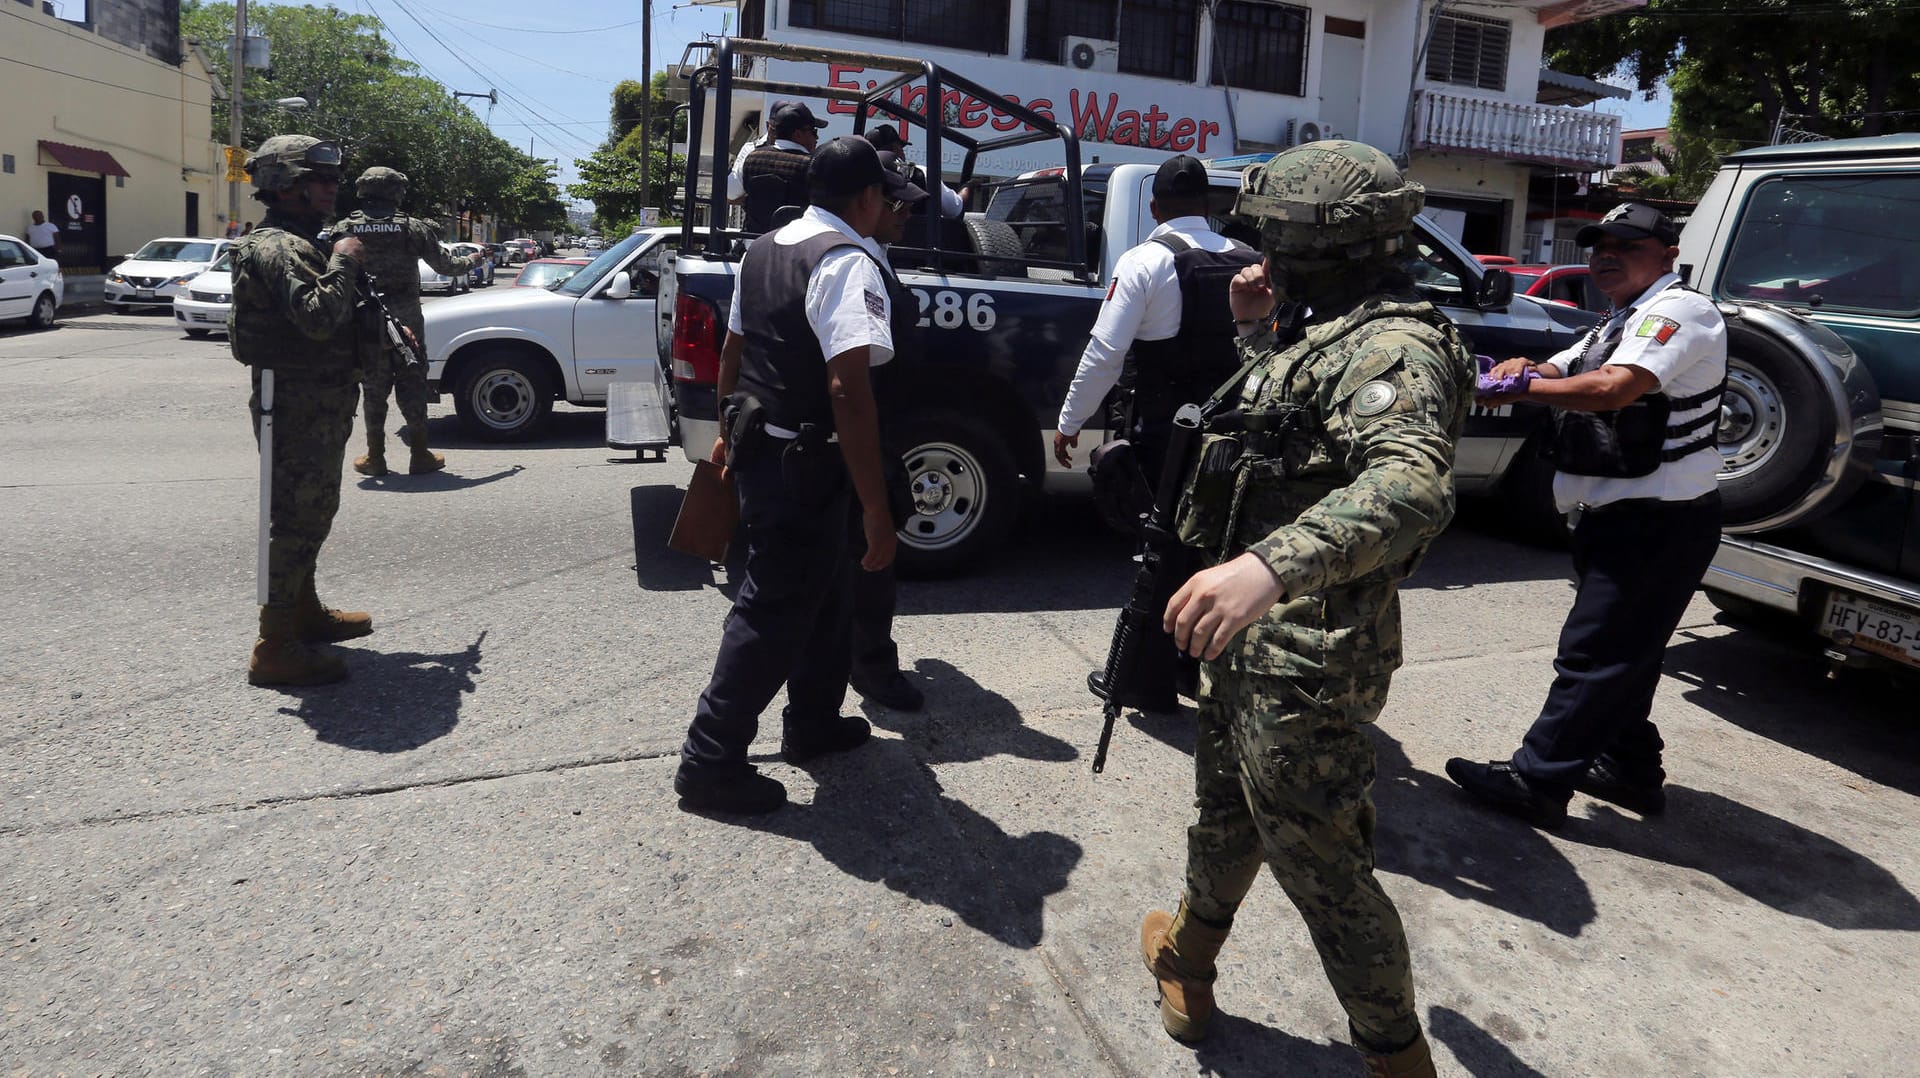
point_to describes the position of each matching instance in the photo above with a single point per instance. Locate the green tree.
(1735, 67)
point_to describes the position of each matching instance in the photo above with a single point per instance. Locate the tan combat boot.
(320, 624)
(1179, 950)
(424, 460)
(280, 657)
(1413, 1061)
(375, 462)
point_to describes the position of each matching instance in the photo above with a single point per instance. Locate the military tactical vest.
(1186, 367)
(782, 363)
(1628, 442)
(392, 251)
(773, 178)
(259, 332)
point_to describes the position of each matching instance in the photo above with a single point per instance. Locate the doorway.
(78, 204)
(193, 214)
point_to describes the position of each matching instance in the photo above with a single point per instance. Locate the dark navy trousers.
(1638, 568)
(789, 622)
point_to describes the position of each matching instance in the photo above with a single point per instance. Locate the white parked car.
(506, 356)
(202, 306)
(154, 274)
(432, 280)
(31, 284)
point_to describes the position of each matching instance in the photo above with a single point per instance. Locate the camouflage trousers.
(1283, 775)
(385, 376)
(312, 420)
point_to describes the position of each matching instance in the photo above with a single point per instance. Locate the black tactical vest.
(782, 363)
(1629, 442)
(1187, 367)
(773, 178)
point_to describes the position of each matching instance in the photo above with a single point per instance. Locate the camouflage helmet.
(285, 160)
(1328, 201)
(381, 183)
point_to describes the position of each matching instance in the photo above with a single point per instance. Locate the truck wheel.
(966, 492)
(504, 397)
(998, 246)
(1775, 427)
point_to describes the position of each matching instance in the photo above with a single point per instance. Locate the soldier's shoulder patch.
(1657, 327)
(1375, 397)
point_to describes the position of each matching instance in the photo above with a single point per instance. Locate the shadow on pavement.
(870, 821)
(1766, 858)
(1777, 687)
(399, 482)
(1474, 1048)
(656, 567)
(1061, 557)
(584, 428)
(1474, 552)
(394, 702)
(965, 721)
(1429, 831)
(1240, 1047)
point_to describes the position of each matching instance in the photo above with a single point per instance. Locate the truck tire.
(966, 492)
(504, 396)
(1776, 427)
(998, 246)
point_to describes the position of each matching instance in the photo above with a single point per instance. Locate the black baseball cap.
(1180, 176)
(897, 183)
(847, 165)
(1630, 221)
(791, 116)
(886, 137)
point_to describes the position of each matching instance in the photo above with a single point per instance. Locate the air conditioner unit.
(1303, 131)
(1090, 54)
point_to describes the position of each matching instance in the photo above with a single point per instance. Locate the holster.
(744, 419)
(810, 465)
(1120, 490)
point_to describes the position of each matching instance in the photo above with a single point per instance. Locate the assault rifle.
(396, 335)
(1139, 620)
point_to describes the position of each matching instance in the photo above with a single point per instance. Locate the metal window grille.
(1157, 38)
(1260, 46)
(1051, 22)
(954, 24)
(6, 163)
(1468, 50)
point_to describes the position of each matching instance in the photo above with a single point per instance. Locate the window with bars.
(1158, 38)
(955, 24)
(1259, 46)
(1468, 50)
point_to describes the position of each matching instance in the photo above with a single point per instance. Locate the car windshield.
(610, 259)
(546, 274)
(1523, 278)
(225, 265)
(175, 251)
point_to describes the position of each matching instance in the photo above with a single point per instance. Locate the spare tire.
(998, 246)
(1791, 438)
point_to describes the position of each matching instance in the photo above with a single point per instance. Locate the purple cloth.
(1490, 386)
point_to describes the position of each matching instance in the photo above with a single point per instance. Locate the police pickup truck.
(1006, 301)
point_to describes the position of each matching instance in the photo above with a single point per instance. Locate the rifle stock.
(1141, 617)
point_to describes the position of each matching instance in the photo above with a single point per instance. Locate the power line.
(529, 29)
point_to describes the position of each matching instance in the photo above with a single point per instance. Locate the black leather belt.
(1638, 505)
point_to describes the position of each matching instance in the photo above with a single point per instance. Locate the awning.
(81, 159)
(1560, 88)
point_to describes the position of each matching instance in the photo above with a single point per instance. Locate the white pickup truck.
(507, 355)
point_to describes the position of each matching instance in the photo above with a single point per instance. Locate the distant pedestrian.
(44, 236)
(247, 231)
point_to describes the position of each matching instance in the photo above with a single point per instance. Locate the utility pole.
(234, 134)
(646, 103)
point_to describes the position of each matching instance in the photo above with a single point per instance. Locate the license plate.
(144, 293)
(1875, 627)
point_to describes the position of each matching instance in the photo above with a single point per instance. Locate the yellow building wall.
(63, 83)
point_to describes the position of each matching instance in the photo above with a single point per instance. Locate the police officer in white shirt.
(768, 177)
(1175, 360)
(802, 437)
(1637, 404)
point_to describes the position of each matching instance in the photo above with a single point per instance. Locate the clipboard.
(709, 514)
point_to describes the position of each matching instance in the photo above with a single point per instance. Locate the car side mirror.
(620, 288)
(1496, 290)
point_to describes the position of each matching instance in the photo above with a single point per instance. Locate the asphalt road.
(467, 859)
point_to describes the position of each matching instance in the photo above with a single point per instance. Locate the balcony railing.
(1541, 134)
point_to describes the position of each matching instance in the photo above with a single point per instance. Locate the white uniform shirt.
(42, 235)
(847, 301)
(1677, 336)
(1143, 304)
(736, 187)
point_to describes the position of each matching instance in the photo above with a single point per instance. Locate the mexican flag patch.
(1660, 329)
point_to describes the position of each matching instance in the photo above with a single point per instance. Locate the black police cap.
(844, 166)
(1180, 176)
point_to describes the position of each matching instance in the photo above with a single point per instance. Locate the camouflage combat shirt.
(1350, 506)
(394, 245)
(293, 305)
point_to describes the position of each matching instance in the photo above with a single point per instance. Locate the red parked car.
(1567, 285)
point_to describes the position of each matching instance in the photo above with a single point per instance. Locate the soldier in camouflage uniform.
(395, 241)
(294, 313)
(1318, 490)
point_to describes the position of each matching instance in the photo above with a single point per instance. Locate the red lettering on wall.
(1182, 138)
